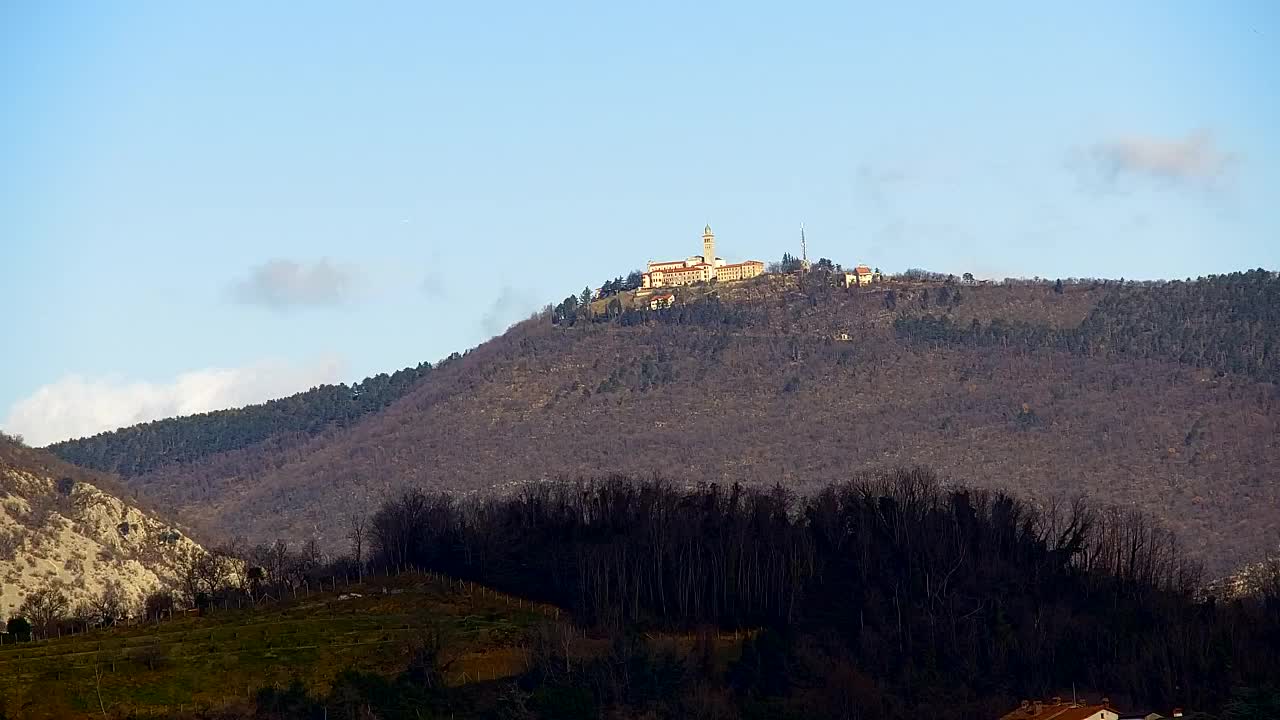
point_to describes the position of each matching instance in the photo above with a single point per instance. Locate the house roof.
(862, 270)
(744, 262)
(1056, 711)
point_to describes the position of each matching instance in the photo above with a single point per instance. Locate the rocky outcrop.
(67, 532)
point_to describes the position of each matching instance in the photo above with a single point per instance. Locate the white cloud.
(1194, 158)
(284, 283)
(77, 406)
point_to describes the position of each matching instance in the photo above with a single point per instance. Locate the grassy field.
(207, 661)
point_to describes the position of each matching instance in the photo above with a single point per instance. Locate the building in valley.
(1057, 709)
(699, 268)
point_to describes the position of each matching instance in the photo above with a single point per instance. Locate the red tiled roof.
(1056, 711)
(862, 270)
(744, 262)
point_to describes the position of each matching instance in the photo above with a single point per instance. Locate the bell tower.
(708, 246)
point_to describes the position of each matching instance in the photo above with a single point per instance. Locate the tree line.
(922, 588)
(141, 448)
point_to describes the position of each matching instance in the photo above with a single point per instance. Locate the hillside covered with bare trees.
(1158, 397)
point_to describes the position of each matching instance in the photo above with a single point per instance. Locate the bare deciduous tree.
(357, 527)
(158, 604)
(45, 607)
(202, 574)
(111, 604)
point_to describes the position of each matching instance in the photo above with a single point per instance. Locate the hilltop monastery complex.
(699, 268)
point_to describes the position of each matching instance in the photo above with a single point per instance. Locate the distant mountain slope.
(1230, 323)
(140, 448)
(756, 387)
(60, 528)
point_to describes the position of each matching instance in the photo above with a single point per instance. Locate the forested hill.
(1153, 396)
(142, 448)
(1230, 323)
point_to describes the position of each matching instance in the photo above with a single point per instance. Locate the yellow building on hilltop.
(699, 268)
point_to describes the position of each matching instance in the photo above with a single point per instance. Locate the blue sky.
(208, 206)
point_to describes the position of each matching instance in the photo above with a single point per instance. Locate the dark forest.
(882, 597)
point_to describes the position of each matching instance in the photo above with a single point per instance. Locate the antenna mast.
(804, 251)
